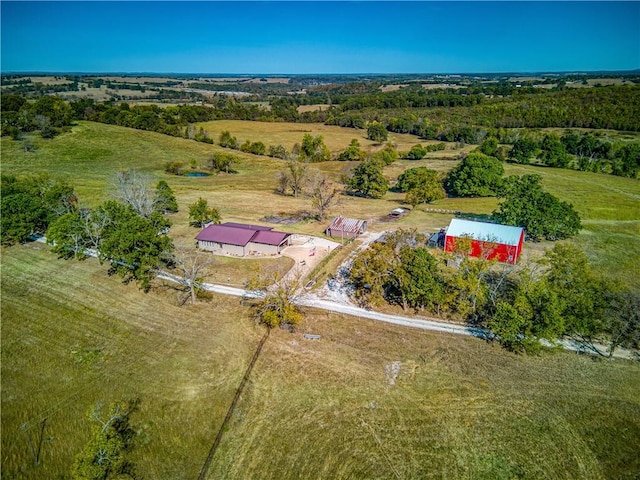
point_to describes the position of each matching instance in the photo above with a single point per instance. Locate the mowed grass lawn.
(367, 400)
(89, 156)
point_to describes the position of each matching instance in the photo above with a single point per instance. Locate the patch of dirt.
(281, 220)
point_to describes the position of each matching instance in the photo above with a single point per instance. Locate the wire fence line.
(232, 407)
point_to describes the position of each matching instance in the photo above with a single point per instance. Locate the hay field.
(367, 400)
(288, 134)
(378, 402)
(72, 337)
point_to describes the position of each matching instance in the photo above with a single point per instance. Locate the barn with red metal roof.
(240, 239)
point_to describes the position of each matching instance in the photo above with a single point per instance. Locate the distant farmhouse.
(488, 240)
(349, 228)
(240, 239)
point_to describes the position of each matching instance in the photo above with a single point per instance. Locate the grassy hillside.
(73, 337)
(334, 408)
(89, 156)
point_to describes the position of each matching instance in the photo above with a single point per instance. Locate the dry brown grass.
(458, 407)
(288, 134)
(313, 108)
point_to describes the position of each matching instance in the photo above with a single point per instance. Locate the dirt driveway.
(307, 252)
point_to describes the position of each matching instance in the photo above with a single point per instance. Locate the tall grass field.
(366, 400)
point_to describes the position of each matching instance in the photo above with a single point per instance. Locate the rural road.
(308, 300)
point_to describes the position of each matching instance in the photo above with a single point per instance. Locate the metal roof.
(226, 234)
(347, 224)
(270, 237)
(487, 232)
(241, 234)
(246, 226)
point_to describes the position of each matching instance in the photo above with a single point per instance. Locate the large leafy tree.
(30, 204)
(200, 213)
(532, 311)
(134, 245)
(489, 146)
(523, 149)
(525, 204)
(313, 149)
(421, 185)
(417, 279)
(165, 200)
(398, 270)
(553, 152)
(67, 236)
(582, 293)
(477, 175)
(368, 180)
(377, 132)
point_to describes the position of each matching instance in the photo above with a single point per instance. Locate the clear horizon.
(319, 38)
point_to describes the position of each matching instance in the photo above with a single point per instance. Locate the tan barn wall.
(339, 234)
(224, 248)
(262, 248)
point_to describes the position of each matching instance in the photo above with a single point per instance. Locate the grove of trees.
(559, 295)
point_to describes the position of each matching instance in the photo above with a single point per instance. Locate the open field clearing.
(89, 156)
(313, 108)
(72, 337)
(371, 401)
(367, 400)
(288, 134)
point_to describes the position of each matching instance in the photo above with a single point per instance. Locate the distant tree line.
(411, 110)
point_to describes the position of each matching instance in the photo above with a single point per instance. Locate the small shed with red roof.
(488, 240)
(241, 239)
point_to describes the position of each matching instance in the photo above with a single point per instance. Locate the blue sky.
(319, 37)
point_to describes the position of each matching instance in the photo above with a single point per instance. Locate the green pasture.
(367, 400)
(89, 156)
(73, 337)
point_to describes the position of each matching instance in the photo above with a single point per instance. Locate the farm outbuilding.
(240, 239)
(342, 227)
(489, 240)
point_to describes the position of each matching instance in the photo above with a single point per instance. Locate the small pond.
(197, 174)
